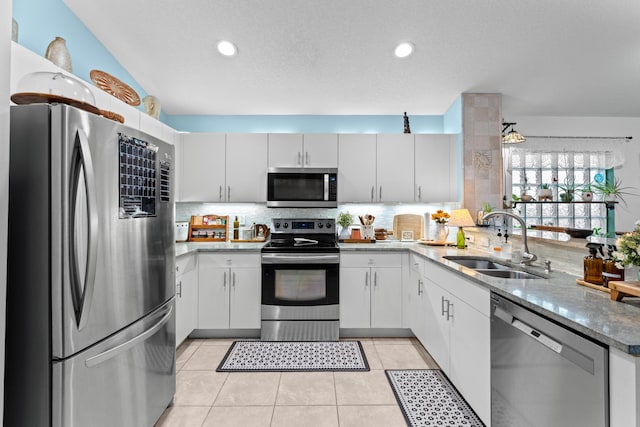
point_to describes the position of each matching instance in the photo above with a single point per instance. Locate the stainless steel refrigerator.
(90, 292)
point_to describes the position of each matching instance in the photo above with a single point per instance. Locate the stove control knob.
(328, 225)
(320, 225)
(277, 224)
(286, 225)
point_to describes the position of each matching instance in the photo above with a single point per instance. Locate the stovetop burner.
(309, 235)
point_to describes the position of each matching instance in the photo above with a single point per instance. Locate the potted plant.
(544, 193)
(567, 190)
(612, 190)
(345, 219)
(587, 193)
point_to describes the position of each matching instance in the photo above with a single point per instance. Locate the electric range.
(300, 281)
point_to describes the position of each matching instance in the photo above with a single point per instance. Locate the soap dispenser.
(611, 272)
(593, 264)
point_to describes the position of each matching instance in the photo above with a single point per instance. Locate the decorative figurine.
(407, 128)
(58, 54)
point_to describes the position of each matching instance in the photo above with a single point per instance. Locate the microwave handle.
(326, 186)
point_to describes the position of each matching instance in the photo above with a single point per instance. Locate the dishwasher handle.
(572, 355)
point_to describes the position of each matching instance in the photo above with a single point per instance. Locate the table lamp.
(461, 218)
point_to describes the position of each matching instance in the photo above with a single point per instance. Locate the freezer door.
(110, 267)
(127, 380)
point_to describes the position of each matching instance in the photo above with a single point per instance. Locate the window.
(563, 170)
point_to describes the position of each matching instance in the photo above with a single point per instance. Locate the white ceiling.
(547, 57)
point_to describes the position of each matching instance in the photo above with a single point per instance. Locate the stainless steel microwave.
(302, 187)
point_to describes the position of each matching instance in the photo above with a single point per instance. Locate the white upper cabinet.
(320, 150)
(223, 168)
(203, 167)
(375, 168)
(395, 168)
(436, 171)
(295, 150)
(285, 150)
(246, 167)
(357, 168)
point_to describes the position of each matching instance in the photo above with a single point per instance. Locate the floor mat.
(427, 398)
(279, 356)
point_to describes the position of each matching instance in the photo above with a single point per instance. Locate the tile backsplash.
(261, 214)
(565, 255)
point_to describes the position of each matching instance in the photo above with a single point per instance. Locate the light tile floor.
(206, 398)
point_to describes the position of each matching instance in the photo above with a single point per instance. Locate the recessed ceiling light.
(403, 50)
(227, 48)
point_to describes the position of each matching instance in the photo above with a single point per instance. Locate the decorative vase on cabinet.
(58, 53)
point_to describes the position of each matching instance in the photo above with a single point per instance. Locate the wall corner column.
(481, 150)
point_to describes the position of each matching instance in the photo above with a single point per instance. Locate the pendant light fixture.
(511, 137)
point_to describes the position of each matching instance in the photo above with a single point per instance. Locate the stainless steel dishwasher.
(543, 374)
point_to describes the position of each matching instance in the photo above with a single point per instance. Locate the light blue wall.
(40, 21)
(306, 124)
(452, 121)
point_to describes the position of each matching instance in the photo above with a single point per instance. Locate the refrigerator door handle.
(83, 295)
(114, 351)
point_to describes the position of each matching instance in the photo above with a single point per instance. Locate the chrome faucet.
(527, 257)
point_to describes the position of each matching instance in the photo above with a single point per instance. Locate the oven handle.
(301, 259)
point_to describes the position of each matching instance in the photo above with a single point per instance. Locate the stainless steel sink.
(509, 274)
(489, 267)
(477, 263)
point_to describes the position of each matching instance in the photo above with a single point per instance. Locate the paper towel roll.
(427, 219)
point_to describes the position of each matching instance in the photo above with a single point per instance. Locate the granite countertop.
(557, 297)
(191, 247)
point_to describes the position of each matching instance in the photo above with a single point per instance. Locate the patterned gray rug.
(427, 398)
(279, 356)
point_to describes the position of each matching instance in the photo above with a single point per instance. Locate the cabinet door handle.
(419, 192)
(228, 193)
(449, 310)
(224, 280)
(179, 291)
(366, 279)
(220, 193)
(372, 190)
(299, 158)
(306, 158)
(442, 305)
(375, 279)
(380, 196)
(419, 287)
(233, 281)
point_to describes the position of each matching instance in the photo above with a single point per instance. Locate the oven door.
(300, 279)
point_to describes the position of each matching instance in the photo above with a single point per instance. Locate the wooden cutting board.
(408, 222)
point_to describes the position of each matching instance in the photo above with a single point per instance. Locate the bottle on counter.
(593, 264)
(610, 271)
(236, 228)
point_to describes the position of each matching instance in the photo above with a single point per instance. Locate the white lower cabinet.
(370, 290)
(229, 291)
(453, 324)
(186, 297)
